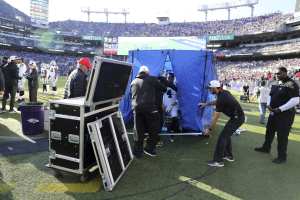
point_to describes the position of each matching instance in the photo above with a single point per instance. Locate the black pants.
(11, 91)
(223, 146)
(146, 121)
(44, 87)
(280, 123)
(173, 126)
(33, 94)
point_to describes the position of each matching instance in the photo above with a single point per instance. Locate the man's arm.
(213, 123)
(290, 104)
(212, 103)
(158, 85)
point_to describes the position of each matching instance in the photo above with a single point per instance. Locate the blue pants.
(262, 112)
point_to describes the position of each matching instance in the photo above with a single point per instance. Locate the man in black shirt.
(228, 105)
(283, 99)
(11, 77)
(146, 111)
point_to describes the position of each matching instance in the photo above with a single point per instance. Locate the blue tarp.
(193, 71)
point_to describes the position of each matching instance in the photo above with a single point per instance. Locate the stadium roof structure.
(9, 12)
(228, 6)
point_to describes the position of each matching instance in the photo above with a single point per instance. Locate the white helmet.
(53, 63)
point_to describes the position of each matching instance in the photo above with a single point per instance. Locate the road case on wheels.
(70, 147)
(69, 142)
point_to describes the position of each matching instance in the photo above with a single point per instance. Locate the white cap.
(144, 69)
(214, 84)
(12, 58)
(31, 62)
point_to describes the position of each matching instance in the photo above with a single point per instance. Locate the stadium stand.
(242, 26)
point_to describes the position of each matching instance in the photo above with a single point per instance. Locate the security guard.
(228, 105)
(283, 98)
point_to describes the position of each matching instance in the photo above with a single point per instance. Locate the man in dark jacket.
(33, 82)
(77, 81)
(3, 64)
(11, 76)
(146, 115)
(284, 96)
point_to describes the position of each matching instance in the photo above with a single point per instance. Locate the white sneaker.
(229, 158)
(215, 164)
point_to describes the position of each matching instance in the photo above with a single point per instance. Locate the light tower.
(228, 6)
(106, 12)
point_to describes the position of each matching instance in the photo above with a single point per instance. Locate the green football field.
(178, 173)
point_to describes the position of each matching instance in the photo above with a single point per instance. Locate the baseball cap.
(12, 58)
(214, 84)
(86, 62)
(144, 69)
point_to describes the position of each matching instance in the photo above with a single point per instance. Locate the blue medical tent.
(193, 71)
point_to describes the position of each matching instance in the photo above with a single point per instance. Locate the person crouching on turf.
(228, 105)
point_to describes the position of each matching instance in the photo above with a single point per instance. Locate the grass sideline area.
(178, 173)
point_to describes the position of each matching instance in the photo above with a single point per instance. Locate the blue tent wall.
(154, 60)
(193, 71)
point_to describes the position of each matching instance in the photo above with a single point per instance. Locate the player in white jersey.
(170, 104)
(21, 83)
(44, 76)
(53, 76)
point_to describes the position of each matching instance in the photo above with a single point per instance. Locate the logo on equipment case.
(33, 120)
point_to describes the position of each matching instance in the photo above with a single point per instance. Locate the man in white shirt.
(264, 93)
(21, 83)
(53, 76)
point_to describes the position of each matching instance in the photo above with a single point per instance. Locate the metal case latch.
(52, 114)
(73, 139)
(55, 135)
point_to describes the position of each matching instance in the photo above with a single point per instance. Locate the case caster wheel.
(83, 178)
(58, 174)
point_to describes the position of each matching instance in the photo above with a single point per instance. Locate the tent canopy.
(193, 71)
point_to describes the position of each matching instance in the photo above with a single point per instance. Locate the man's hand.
(202, 105)
(276, 110)
(270, 109)
(207, 132)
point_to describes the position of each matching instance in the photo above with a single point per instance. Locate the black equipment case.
(69, 140)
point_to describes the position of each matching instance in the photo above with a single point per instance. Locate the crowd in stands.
(254, 69)
(265, 48)
(238, 74)
(237, 26)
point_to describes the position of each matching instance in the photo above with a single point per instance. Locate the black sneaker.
(262, 150)
(215, 164)
(137, 154)
(150, 153)
(279, 161)
(229, 158)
